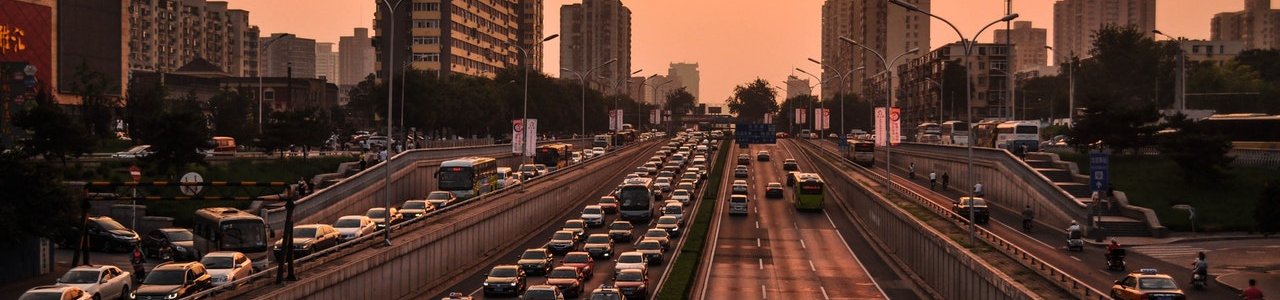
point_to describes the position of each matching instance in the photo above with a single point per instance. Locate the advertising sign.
(517, 136)
(613, 120)
(800, 116)
(895, 125)
(531, 144)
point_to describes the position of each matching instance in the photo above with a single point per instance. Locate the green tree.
(1265, 61)
(96, 109)
(36, 204)
(178, 136)
(305, 128)
(1266, 214)
(680, 102)
(230, 112)
(752, 101)
(54, 134)
(145, 105)
(1122, 77)
(856, 113)
(806, 102)
(1199, 152)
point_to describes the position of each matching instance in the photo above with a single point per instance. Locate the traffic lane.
(734, 271)
(793, 273)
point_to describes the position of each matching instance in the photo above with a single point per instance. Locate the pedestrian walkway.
(1171, 253)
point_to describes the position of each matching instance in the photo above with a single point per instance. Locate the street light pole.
(583, 78)
(1180, 101)
(660, 103)
(839, 95)
(386, 166)
(265, 46)
(640, 116)
(524, 119)
(888, 108)
(814, 124)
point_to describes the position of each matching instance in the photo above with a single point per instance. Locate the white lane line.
(764, 293)
(802, 244)
(833, 223)
(1077, 259)
(855, 256)
(811, 267)
(476, 291)
(758, 245)
(762, 264)
(824, 292)
(1019, 231)
(757, 224)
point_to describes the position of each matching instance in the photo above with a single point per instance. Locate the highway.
(776, 252)
(1050, 243)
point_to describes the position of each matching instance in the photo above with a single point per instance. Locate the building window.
(426, 57)
(426, 7)
(426, 23)
(426, 40)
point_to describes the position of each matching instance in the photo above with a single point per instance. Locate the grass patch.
(684, 271)
(1155, 182)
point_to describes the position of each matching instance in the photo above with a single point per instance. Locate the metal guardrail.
(1045, 269)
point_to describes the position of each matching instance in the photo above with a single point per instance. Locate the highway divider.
(680, 277)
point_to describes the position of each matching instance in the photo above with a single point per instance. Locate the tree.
(680, 102)
(54, 134)
(145, 105)
(1122, 77)
(96, 109)
(753, 101)
(230, 113)
(304, 129)
(1200, 153)
(179, 137)
(806, 102)
(1265, 61)
(36, 204)
(1266, 214)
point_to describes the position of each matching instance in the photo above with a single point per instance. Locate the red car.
(581, 260)
(609, 204)
(567, 279)
(633, 283)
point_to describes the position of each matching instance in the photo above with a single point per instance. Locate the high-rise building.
(594, 32)
(921, 100)
(1257, 26)
(659, 86)
(167, 34)
(287, 50)
(889, 29)
(327, 63)
(530, 13)
(355, 57)
(1028, 45)
(688, 74)
(453, 36)
(1075, 22)
(797, 87)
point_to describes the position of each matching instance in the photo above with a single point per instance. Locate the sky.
(733, 41)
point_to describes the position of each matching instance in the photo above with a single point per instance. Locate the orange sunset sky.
(733, 41)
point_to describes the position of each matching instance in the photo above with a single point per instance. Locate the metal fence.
(1257, 158)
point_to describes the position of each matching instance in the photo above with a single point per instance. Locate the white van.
(506, 177)
(738, 204)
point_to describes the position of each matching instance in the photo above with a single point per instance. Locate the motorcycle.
(1075, 240)
(1199, 281)
(1115, 260)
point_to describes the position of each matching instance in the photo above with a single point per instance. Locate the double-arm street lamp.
(524, 119)
(583, 78)
(839, 95)
(888, 107)
(815, 116)
(390, 16)
(1180, 102)
(968, 50)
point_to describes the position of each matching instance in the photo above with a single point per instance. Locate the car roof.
(353, 217)
(223, 254)
(308, 226)
(91, 267)
(174, 266)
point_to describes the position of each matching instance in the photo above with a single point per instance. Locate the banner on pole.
(531, 144)
(879, 126)
(823, 118)
(517, 136)
(768, 118)
(895, 125)
(653, 116)
(800, 116)
(618, 121)
(613, 120)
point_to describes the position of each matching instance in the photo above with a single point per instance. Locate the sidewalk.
(1177, 237)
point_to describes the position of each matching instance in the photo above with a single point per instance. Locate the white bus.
(468, 176)
(929, 133)
(1012, 135)
(635, 200)
(955, 133)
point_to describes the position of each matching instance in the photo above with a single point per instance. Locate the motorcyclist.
(911, 171)
(137, 259)
(1027, 216)
(1200, 267)
(1111, 248)
(1073, 228)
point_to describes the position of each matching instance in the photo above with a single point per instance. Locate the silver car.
(227, 266)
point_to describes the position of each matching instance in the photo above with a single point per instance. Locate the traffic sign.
(755, 133)
(1099, 171)
(191, 177)
(135, 172)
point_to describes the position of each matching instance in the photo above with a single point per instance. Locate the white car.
(354, 226)
(593, 215)
(674, 210)
(227, 266)
(598, 151)
(680, 195)
(663, 184)
(99, 282)
(60, 292)
(632, 260)
(138, 151)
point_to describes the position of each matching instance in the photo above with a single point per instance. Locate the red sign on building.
(26, 36)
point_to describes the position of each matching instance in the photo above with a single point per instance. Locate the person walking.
(933, 180)
(945, 179)
(977, 189)
(1252, 293)
(911, 171)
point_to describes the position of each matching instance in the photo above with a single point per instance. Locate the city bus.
(1008, 135)
(554, 156)
(955, 133)
(602, 141)
(809, 191)
(468, 177)
(929, 133)
(862, 152)
(1246, 131)
(223, 146)
(229, 229)
(635, 200)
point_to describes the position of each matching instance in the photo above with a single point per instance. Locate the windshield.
(179, 236)
(563, 273)
(347, 223)
(217, 262)
(439, 196)
(1156, 284)
(53, 295)
(574, 224)
(562, 236)
(456, 180)
(79, 277)
(670, 210)
(415, 205)
(635, 198)
(533, 255)
(598, 239)
(164, 277)
(630, 276)
(244, 235)
(737, 199)
(539, 294)
(605, 296)
(630, 259)
(1027, 129)
(304, 232)
(592, 211)
(503, 272)
(527, 168)
(655, 233)
(608, 200)
(649, 245)
(620, 226)
(576, 258)
(109, 224)
(668, 220)
(377, 214)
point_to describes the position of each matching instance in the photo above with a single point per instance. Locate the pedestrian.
(933, 180)
(363, 163)
(977, 189)
(1111, 197)
(911, 171)
(1252, 293)
(382, 155)
(1023, 152)
(945, 180)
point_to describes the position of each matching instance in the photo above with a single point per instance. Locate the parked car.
(55, 292)
(535, 261)
(581, 260)
(412, 209)
(307, 239)
(174, 280)
(227, 266)
(380, 217)
(506, 280)
(568, 279)
(354, 226)
(177, 244)
(99, 281)
(620, 230)
(441, 199)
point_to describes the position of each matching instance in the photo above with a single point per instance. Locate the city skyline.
(666, 22)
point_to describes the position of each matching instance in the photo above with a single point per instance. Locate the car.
(542, 292)
(568, 279)
(669, 223)
(354, 226)
(773, 190)
(675, 210)
(307, 239)
(581, 260)
(528, 171)
(599, 245)
(833, 136)
(692, 176)
(659, 235)
(780, 135)
(179, 242)
(139, 151)
(653, 251)
(744, 159)
(597, 151)
(621, 230)
(174, 280)
(99, 281)
(441, 199)
(681, 195)
(740, 172)
(577, 226)
(593, 215)
(738, 204)
(762, 155)
(412, 209)
(632, 283)
(457, 296)
(981, 214)
(739, 187)
(1146, 284)
(542, 169)
(562, 242)
(506, 177)
(504, 280)
(609, 204)
(650, 167)
(663, 184)
(55, 292)
(535, 261)
(380, 217)
(605, 292)
(107, 235)
(790, 164)
(631, 260)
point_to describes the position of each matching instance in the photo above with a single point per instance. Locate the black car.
(621, 231)
(505, 280)
(535, 261)
(562, 242)
(307, 239)
(744, 159)
(762, 156)
(105, 234)
(174, 280)
(790, 165)
(179, 242)
(740, 172)
(981, 214)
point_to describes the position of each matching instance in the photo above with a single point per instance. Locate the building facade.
(327, 66)
(797, 87)
(1075, 21)
(689, 76)
(355, 57)
(474, 38)
(1214, 51)
(1028, 45)
(167, 34)
(530, 30)
(921, 100)
(889, 29)
(592, 33)
(1256, 27)
(286, 50)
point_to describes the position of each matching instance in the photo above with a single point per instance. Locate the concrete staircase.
(1061, 174)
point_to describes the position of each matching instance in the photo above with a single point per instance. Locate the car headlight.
(172, 296)
(485, 284)
(675, 229)
(179, 248)
(133, 295)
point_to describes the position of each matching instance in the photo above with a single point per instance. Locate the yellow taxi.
(1146, 284)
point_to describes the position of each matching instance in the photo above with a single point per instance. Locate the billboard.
(522, 143)
(895, 126)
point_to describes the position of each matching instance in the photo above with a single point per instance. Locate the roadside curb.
(1186, 240)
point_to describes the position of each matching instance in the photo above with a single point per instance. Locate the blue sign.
(754, 133)
(1099, 171)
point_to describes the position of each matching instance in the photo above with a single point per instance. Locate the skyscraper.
(453, 36)
(327, 63)
(1075, 21)
(887, 28)
(286, 51)
(167, 34)
(355, 57)
(593, 33)
(1028, 45)
(688, 74)
(1257, 26)
(797, 87)
(530, 12)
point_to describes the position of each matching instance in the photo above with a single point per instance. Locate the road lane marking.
(758, 245)
(1075, 258)
(476, 291)
(811, 267)
(762, 264)
(764, 293)
(757, 224)
(855, 256)
(802, 244)
(1024, 234)
(824, 292)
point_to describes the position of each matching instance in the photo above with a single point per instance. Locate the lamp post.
(968, 50)
(583, 78)
(815, 116)
(403, 69)
(386, 166)
(265, 46)
(839, 96)
(660, 103)
(1180, 99)
(639, 115)
(524, 119)
(888, 107)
